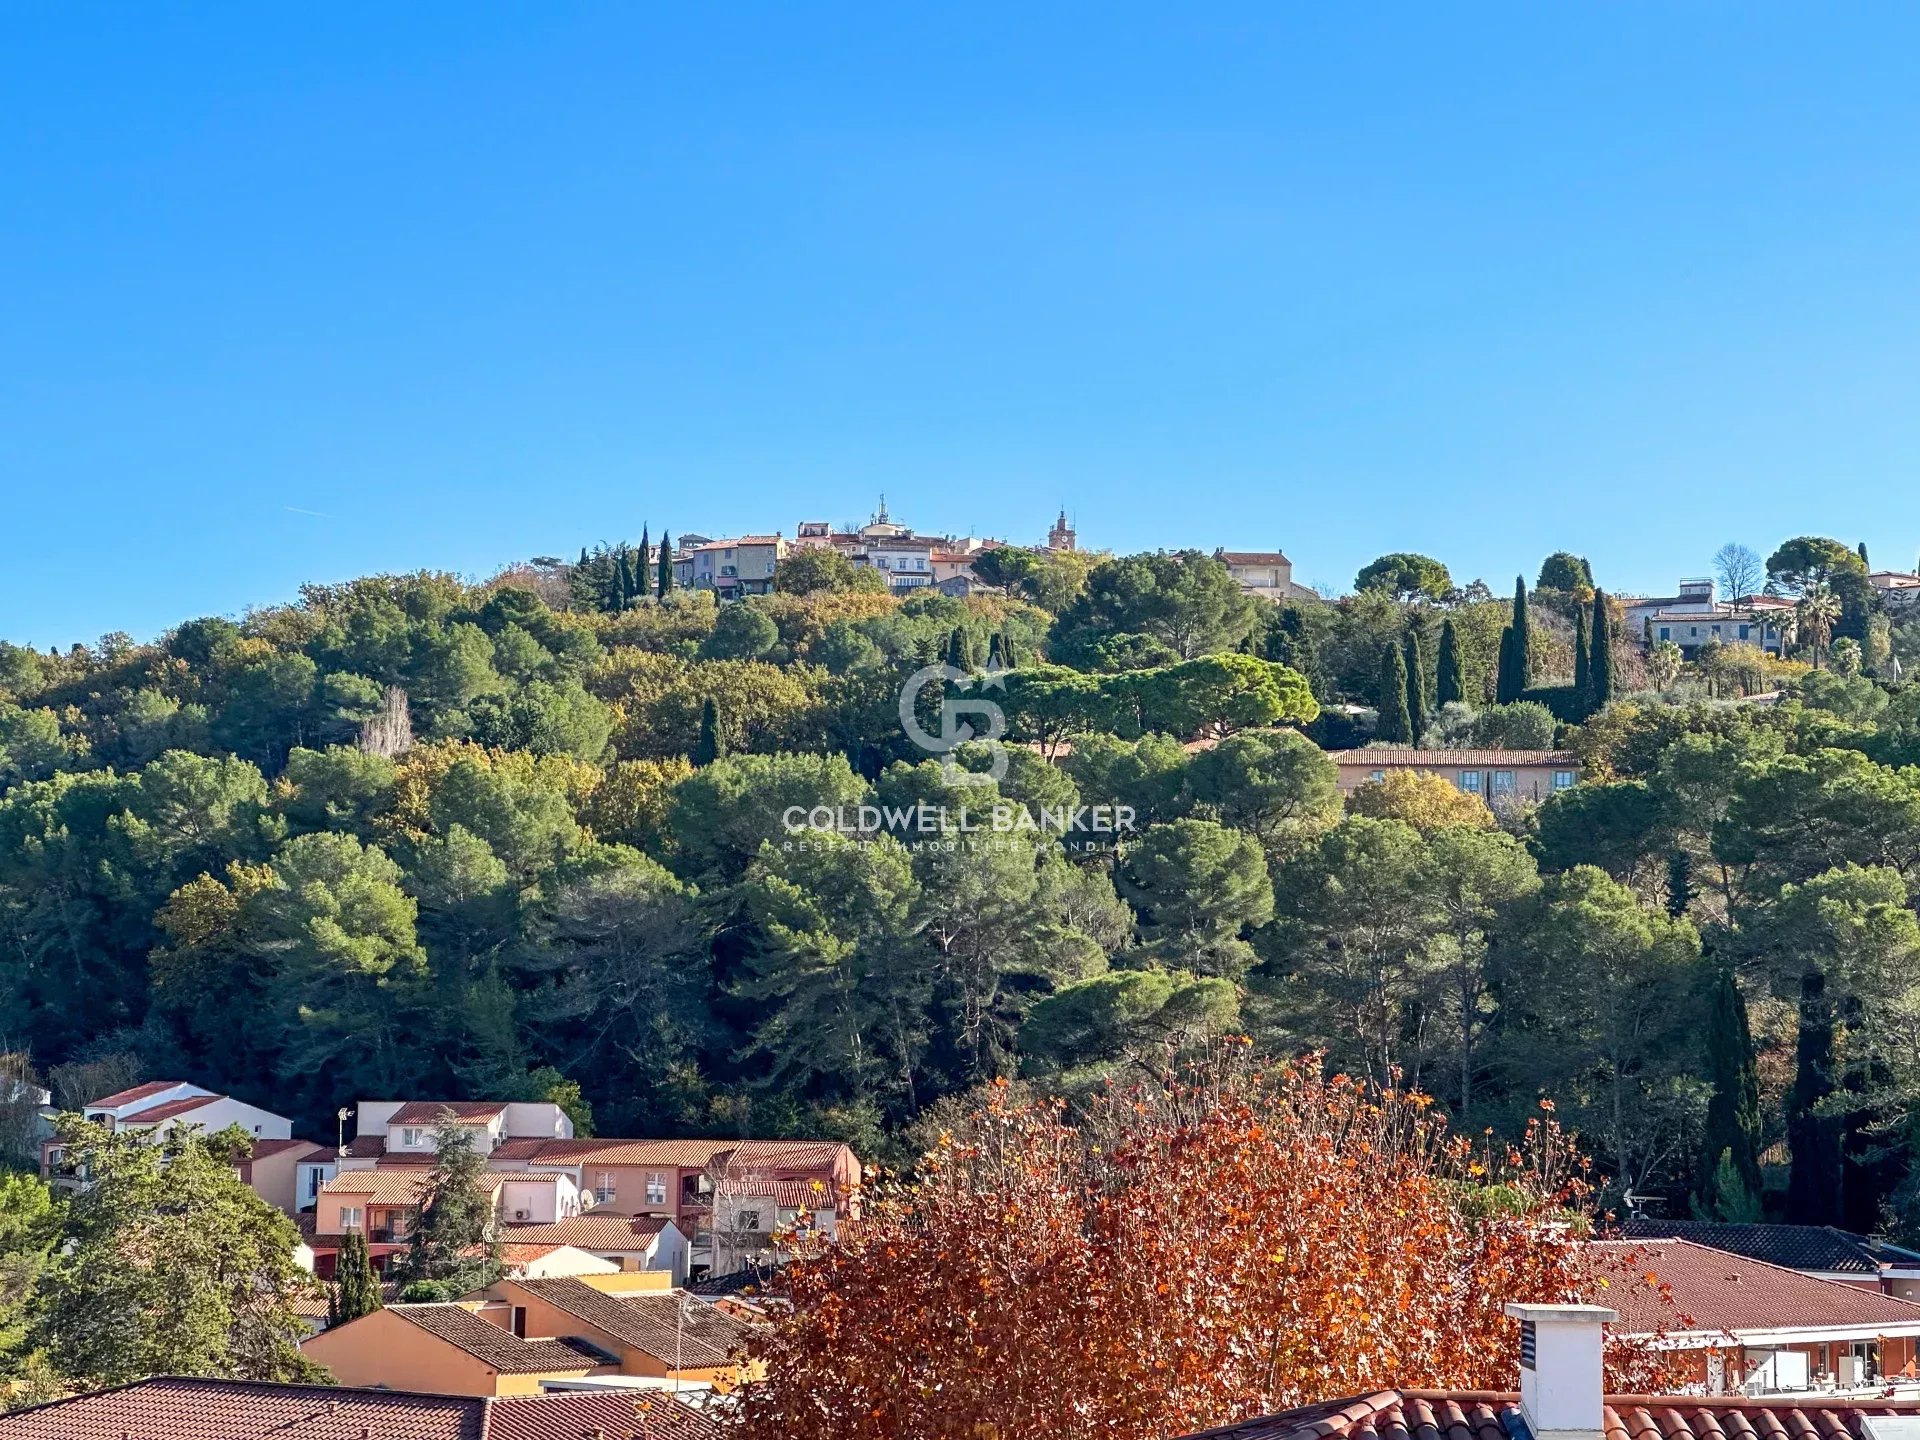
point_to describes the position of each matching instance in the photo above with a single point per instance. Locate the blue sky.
(302, 292)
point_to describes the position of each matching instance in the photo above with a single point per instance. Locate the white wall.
(545, 1200)
(213, 1118)
(528, 1120)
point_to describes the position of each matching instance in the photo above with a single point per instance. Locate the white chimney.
(1562, 1377)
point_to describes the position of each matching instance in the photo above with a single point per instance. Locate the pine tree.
(1449, 684)
(1516, 658)
(713, 737)
(665, 581)
(1601, 677)
(1416, 664)
(1582, 661)
(1732, 1135)
(1396, 723)
(451, 1239)
(356, 1289)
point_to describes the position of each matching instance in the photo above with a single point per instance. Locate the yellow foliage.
(418, 773)
(1426, 801)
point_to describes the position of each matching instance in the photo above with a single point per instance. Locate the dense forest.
(524, 838)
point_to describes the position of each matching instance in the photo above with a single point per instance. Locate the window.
(1563, 779)
(520, 1321)
(313, 1182)
(656, 1189)
(1666, 632)
(1503, 782)
(350, 1217)
(1378, 775)
(603, 1186)
(749, 1220)
(1693, 631)
(1470, 781)
(409, 1138)
(1745, 631)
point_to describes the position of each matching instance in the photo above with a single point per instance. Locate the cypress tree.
(356, 1289)
(1416, 685)
(1601, 676)
(1732, 1137)
(1396, 723)
(1516, 659)
(622, 581)
(960, 650)
(1814, 1140)
(1449, 684)
(665, 581)
(713, 738)
(1863, 556)
(996, 651)
(1679, 883)
(1582, 660)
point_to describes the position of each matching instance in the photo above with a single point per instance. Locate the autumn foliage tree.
(1166, 1260)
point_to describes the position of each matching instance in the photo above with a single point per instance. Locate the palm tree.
(1817, 611)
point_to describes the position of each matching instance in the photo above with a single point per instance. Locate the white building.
(1267, 573)
(1694, 618)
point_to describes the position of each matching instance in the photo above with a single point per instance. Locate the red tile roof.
(615, 1414)
(778, 1157)
(1719, 1292)
(664, 1326)
(429, 1112)
(1382, 756)
(170, 1110)
(263, 1148)
(1251, 557)
(1481, 1415)
(173, 1409)
(593, 1232)
(495, 1346)
(127, 1097)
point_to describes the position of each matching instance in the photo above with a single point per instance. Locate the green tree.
(450, 1237)
(1393, 698)
(1417, 708)
(1406, 577)
(741, 631)
(1583, 661)
(169, 1265)
(1601, 675)
(1199, 890)
(356, 1289)
(1731, 1141)
(713, 738)
(1187, 601)
(663, 584)
(1275, 785)
(1516, 665)
(1449, 684)
(1564, 571)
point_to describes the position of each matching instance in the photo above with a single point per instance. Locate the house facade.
(156, 1109)
(1493, 775)
(626, 1242)
(1695, 618)
(1267, 573)
(736, 567)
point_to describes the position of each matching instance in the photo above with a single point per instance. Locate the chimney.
(1562, 1378)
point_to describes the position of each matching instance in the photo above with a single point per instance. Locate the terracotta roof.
(615, 1414)
(170, 1109)
(1798, 1247)
(756, 1282)
(263, 1148)
(594, 1231)
(1718, 1292)
(1441, 759)
(498, 1347)
(127, 1097)
(429, 1112)
(1251, 557)
(1481, 1415)
(777, 1156)
(363, 1145)
(662, 1326)
(173, 1409)
(785, 1194)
